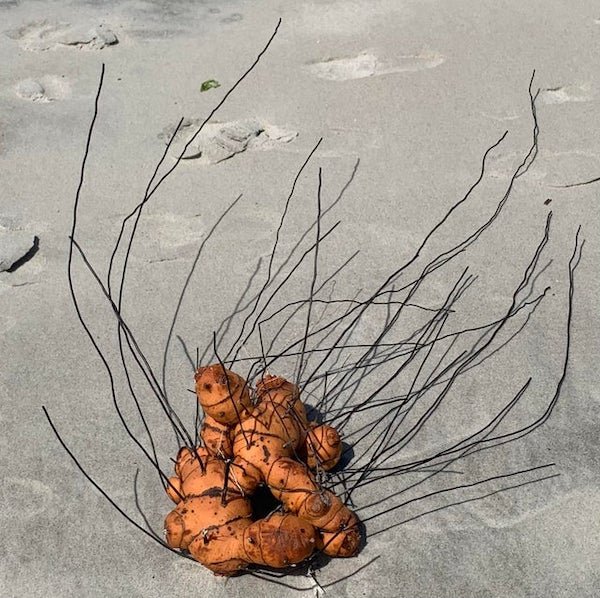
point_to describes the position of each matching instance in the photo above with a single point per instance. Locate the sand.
(407, 97)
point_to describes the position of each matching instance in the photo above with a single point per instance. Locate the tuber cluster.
(253, 437)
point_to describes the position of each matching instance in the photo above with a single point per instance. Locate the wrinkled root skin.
(252, 438)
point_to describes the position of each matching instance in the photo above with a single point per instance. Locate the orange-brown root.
(174, 489)
(279, 540)
(246, 445)
(323, 447)
(216, 437)
(223, 395)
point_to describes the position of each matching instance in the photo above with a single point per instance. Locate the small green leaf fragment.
(209, 84)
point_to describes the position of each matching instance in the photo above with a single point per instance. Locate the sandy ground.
(415, 91)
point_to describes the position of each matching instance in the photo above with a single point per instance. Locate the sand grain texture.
(407, 96)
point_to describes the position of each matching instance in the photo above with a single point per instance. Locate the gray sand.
(416, 91)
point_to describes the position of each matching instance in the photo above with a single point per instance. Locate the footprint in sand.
(32, 90)
(6, 322)
(171, 234)
(567, 93)
(23, 498)
(220, 141)
(367, 64)
(47, 89)
(38, 36)
(232, 18)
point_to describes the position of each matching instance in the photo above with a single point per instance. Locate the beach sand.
(407, 96)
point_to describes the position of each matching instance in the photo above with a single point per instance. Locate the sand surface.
(407, 96)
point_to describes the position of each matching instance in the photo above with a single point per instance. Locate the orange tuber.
(253, 437)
